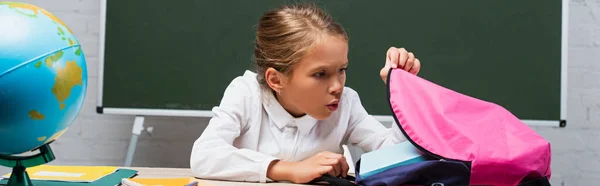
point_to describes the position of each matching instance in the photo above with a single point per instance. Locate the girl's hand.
(319, 164)
(310, 169)
(400, 58)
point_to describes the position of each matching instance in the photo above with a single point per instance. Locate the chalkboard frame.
(382, 118)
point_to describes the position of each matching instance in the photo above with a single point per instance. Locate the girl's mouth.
(333, 105)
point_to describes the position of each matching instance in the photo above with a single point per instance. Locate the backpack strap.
(335, 181)
(537, 182)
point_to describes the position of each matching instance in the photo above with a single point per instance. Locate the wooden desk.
(179, 172)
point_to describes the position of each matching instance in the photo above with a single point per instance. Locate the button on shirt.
(250, 129)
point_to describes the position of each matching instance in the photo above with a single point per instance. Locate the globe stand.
(19, 176)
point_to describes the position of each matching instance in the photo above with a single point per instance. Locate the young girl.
(288, 121)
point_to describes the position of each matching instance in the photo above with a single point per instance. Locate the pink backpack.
(469, 141)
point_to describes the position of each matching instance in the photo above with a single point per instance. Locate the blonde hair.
(284, 35)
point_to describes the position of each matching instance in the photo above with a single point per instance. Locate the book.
(389, 157)
(178, 181)
(68, 173)
(111, 179)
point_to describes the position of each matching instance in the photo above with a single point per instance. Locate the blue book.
(389, 157)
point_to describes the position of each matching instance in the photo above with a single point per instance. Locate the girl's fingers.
(409, 62)
(416, 67)
(402, 57)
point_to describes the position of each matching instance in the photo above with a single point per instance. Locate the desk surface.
(180, 172)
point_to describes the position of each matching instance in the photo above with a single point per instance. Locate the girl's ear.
(275, 79)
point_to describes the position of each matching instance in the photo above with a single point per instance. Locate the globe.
(43, 77)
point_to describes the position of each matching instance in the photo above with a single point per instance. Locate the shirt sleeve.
(365, 132)
(214, 157)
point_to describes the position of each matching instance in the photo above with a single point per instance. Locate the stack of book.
(389, 157)
(180, 181)
(50, 175)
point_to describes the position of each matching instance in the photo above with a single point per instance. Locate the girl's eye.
(319, 74)
(343, 69)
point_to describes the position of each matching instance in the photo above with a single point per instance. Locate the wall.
(576, 149)
(102, 139)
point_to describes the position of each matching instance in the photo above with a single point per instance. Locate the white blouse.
(250, 129)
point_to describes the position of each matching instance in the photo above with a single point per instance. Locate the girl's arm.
(365, 131)
(213, 155)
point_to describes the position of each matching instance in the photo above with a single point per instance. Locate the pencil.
(127, 182)
(195, 183)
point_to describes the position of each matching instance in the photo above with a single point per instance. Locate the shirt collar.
(282, 118)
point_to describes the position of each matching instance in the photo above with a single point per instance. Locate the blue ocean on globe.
(43, 77)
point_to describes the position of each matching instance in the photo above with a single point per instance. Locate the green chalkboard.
(181, 54)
